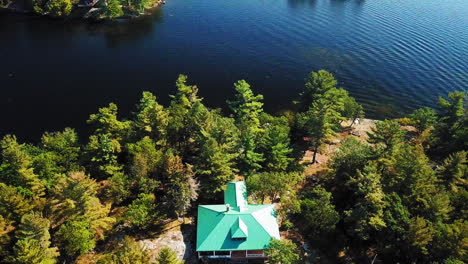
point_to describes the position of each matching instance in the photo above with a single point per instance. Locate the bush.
(59, 8)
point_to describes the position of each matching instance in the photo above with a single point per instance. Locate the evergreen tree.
(317, 84)
(214, 167)
(319, 212)
(102, 155)
(77, 236)
(275, 144)
(454, 172)
(247, 108)
(387, 134)
(168, 256)
(366, 214)
(423, 118)
(107, 123)
(33, 245)
(16, 168)
(317, 124)
(451, 132)
(282, 252)
(151, 118)
(13, 204)
(142, 211)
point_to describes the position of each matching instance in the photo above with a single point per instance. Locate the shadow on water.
(119, 33)
(116, 33)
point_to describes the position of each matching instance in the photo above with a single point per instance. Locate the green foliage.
(352, 110)
(275, 144)
(352, 156)
(33, 245)
(143, 163)
(168, 256)
(107, 123)
(102, 151)
(387, 198)
(282, 252)
(142, 5)
(420, 233)
(451, 132)
(317, 124)
(6, 228)
(387, 134)
(13, 204)
(454, 172)
(273, 185)
(423, 118)
(16, 168)
(58, 8)
(366, 214)
(317, 84)
(118, 188)
(151, 118)
(142, 211)
(319, 212)
(74, 200)
(77, 236)
(113, 9)
(247, 109)
(128, 251)
(215, 167)
(181, 186)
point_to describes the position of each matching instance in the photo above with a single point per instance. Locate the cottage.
(235, 229)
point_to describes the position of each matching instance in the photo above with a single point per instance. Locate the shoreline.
(87, 16)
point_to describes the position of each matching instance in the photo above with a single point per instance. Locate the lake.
(392, 55)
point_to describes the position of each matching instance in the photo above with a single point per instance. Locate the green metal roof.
(242, 227)
(239, 229)
(236, 194)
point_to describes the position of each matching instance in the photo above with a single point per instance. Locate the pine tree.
(454, 172)
(16, 168)
(151, 118)
(386, 133)
(33, 245)
(247, 108)
(168, 256)
(275, 144)
(366, 214)
(214, 167)
(319, 212)
(317, 84)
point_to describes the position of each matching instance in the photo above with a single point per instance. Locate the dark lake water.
(392, 55)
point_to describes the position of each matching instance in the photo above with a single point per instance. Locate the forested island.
(397, 195)
(88, 9)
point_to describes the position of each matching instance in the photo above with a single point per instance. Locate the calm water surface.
(392, 55)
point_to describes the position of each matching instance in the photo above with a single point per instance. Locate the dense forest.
(399, 197)
(91, 9)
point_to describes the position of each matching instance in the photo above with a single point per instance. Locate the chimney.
(228, 207)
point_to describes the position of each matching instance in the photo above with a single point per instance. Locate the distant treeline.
(61, 197)
(92, 9)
